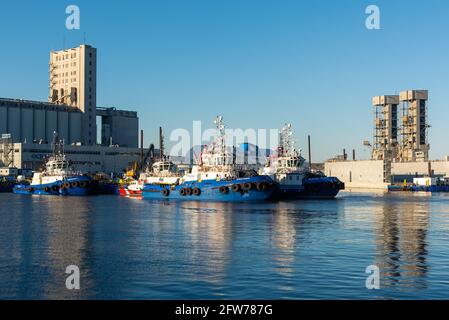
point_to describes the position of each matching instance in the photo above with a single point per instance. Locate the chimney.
(310, 153)
(141, 145)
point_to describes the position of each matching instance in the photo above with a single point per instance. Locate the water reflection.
(67, 222)
(283, 236)
(209, 228)
(401, 232)
(128, 249)
(40, 237)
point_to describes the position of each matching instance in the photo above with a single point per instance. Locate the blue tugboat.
(58, 177)
(293, 179)
(215, 178)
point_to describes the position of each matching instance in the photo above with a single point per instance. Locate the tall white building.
(73, 82)
(72, 112)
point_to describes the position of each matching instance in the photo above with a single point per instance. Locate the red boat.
(134, 189)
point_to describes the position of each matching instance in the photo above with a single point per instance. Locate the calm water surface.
(137, 249)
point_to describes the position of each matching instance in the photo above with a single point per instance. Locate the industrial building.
(71, 111)
(32, 121)
(73, 81)
(90, 159)
(400, 148)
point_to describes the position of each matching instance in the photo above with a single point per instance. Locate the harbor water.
(308, 249)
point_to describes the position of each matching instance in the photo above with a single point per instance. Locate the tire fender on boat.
(261, 186)
(247, 186)
(196, 191)
(235, 188)
(224, 189)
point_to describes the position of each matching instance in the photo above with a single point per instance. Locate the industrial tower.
(385, 127)
(73, 82)
(414, 144)
(404, 141)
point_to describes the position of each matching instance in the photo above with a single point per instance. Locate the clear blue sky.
(259, 63)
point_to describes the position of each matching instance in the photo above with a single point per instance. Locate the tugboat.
(215, 177)
(58, 177)
(160, 171)
(294, 180)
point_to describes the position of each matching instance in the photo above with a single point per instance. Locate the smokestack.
(310, 153)
(245, 152)
(161, 144)
(353, 154)
(141, 145)
(344, 154)
(234, 154)
(429, 168)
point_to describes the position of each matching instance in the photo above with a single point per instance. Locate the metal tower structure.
(7, 148)
(385, 127)
(414, 142)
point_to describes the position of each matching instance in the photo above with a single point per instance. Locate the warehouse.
(91, 159)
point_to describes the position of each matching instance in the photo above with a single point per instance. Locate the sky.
(258, 63)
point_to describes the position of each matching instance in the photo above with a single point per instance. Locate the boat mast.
(58, 145)
(221, 137)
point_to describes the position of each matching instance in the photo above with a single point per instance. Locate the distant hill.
(245, 148)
